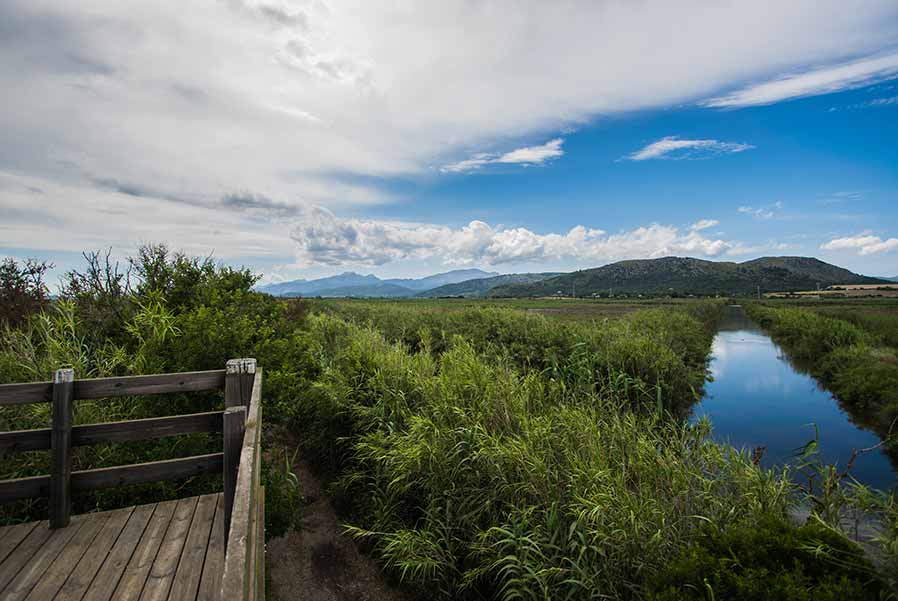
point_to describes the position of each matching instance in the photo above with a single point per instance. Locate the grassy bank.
(849, 353)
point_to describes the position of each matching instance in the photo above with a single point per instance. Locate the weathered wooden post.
(234, 427)
(61, 448)
(239, 376)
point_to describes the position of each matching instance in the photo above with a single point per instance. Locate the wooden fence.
(239, 462)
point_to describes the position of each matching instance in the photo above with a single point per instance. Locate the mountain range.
(357, 285)
(666, 275)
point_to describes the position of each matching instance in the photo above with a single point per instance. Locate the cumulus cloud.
(324, 238)
(674, 147)
(864, 243)
(824, 80)
(528, 155)
(764, 212)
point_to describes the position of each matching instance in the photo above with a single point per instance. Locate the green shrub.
(768, 560)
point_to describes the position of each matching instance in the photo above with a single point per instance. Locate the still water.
(758, 398)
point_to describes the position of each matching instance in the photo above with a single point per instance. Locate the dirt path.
(319, 563)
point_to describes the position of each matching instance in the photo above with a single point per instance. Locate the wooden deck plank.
(11, 536)
(64, 563)
(162, 574)
(131, 552)
(23, 553)
(190, 567)
(84, 572)
(171, 551)
(210, 583)
(19, 587)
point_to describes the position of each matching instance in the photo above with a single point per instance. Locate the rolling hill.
(481, 286)
(691, 276)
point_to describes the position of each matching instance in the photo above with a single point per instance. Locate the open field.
(567, 309)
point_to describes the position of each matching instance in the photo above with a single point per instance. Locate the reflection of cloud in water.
(719, 358)
(766, 383)
(758, 397)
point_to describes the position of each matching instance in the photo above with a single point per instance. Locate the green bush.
(181, 314)
(769, 560)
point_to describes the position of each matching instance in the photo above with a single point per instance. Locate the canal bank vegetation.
(851, 353)
(478, 454)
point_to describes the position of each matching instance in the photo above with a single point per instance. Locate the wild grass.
(472, 478)
(649, 355)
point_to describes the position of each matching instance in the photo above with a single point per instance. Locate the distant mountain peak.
(350, 283)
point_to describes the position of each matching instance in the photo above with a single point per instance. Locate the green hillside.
(480, 287)
(691, 276)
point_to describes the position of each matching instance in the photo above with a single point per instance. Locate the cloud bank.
(286, 99)
(824, 80)
(324, 238)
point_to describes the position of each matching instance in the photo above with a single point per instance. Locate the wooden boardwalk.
(170, 550)
(208, 547)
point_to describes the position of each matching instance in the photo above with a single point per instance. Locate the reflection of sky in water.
(757, 398)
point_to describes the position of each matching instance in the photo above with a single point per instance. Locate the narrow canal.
(759, 398)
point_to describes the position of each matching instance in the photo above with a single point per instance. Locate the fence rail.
(239, 462)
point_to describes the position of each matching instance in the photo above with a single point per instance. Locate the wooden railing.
(244, 568)
(239, 462)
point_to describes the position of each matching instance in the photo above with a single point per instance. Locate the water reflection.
(758, 398)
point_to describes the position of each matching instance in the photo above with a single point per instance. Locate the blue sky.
(303, 139)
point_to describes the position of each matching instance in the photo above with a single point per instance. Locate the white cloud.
(841, 196)
(673, 147)
(864, 243)
(324, 238)
(247, 95)
(703, 224)
(85, 218)
(875, 102)
(823, 80)
(528, 155)
(155, 111)
(765, 212)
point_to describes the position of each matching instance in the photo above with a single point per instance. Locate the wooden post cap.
(61, 376)
(241, 366)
